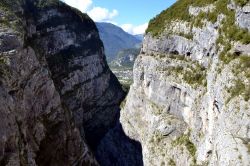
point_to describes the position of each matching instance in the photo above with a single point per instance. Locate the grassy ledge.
(185, 140)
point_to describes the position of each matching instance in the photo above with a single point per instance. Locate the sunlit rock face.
(57, 93)
(189, 103)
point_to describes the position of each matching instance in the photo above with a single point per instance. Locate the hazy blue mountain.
(139, 36)
(116, 39)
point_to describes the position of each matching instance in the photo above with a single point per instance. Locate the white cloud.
(128, 28)
(100, 14)
(82, 5)
(135, 30)
(140, 29)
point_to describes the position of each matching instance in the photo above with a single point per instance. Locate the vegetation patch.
(198, 22)
(123, 103)
(171, 162)
(4, 69)
(156, 109)
(239, 88)
(7, 4)
(227, 57)
(8, 19)
(46, 3)
(185, 140)
(243, 66)
(241, 2)
(126, 85)
(179, 11)
(229, 31)
(245, 61)
(156, 138)
(194, 74)
(189, 36)
(4, 22)
(197, 75)
(1, 67)
(178, 57)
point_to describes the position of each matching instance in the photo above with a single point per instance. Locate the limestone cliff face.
(55, 86)
(189, 103)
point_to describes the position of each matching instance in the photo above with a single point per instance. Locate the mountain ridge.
(115, 39)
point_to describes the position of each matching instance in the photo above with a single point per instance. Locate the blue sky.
(132, 15)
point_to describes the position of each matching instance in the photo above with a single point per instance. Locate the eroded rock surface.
(57, 93)
(189, 103)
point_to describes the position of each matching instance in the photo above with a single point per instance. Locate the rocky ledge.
(189, 103)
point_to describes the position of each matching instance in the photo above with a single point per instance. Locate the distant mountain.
(139, 36)
(116, 39)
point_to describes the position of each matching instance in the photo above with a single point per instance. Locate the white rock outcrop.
(183, 120)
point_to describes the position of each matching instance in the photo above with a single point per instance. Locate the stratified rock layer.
(189, 103)
(55, 86)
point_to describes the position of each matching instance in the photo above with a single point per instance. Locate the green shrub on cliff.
(179, 11)
(4, 22)
(184, 140)
(241, 2)
(196, 75)
(239, 88)
(45, 3)
(242, 71)
(171, 162)
(245, 61)
(192, 72)
(4, 70)
(227, 57)
(194, 78)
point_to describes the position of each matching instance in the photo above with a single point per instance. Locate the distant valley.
(121, 50)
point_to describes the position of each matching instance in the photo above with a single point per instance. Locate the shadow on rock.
(117, 149)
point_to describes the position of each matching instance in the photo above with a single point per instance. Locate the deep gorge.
(60, 104)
